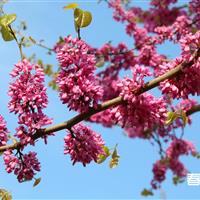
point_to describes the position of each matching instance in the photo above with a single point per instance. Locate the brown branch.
(111, 103)
(194, 109)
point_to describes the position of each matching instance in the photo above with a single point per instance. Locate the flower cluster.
(105, 118)
(78, 86)
(114, 59)
(24, 167)
(184, 84)
(140, 112)
(28, 99)
(83, 144)
(177, 148)
(194, 6)
(188, 82)
(3, 132)
(177, 30)
(180, 147)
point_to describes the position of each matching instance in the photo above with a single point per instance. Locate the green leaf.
(100, 61)
(81, 18)
(86, 19)
(6, 34)
(146, 193)
(37, 181)
(115, 159)
(5, 195)
(196, 155)
(71, 6)
(102, 157)
(177, 180)
(171, 116)
(7, 19)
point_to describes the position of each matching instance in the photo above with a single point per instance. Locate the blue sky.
(61, 180)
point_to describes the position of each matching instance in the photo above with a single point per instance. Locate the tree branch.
(112, 103)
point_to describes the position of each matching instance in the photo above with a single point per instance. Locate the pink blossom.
(180, 147)
(28, 99)
(24, 167)
(194, 6)
(178, 168)
(142, 112)
(159, 171)
(3, 132)
(78, 86)
(105, 118)
(83, 144)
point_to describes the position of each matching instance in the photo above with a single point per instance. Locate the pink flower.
(194, 6)
(83, 144)
(3, 132)
(28, 99)
(142, 112)
(78, 86)
(105, 118)
(177, 168)
(24, 167)
(180, 147)
(186, 83)
(159, 171)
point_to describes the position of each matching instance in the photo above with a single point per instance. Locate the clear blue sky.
(61, 180)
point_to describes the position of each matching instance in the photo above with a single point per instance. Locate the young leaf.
(5, 195)
(115, 159)
(86, 19)
(6, 34)
(37, 181)
(100, 61)
(177, 180)
(77, 17)
(7, 19)
(146, 193)
(102, 157)
(81, 18)
(171, 116)
(71, 6)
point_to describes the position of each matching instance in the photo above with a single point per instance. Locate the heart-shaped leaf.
(81, 18)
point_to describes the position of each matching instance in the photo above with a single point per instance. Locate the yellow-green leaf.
(115, 159)
(171, 116)
(7, 19)
(81, 18)
(37, 181)
(102, 157)
(5, 195)
(86, 19)
(71, 6)
(146, 193)
(6, 34)
(100, 61)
